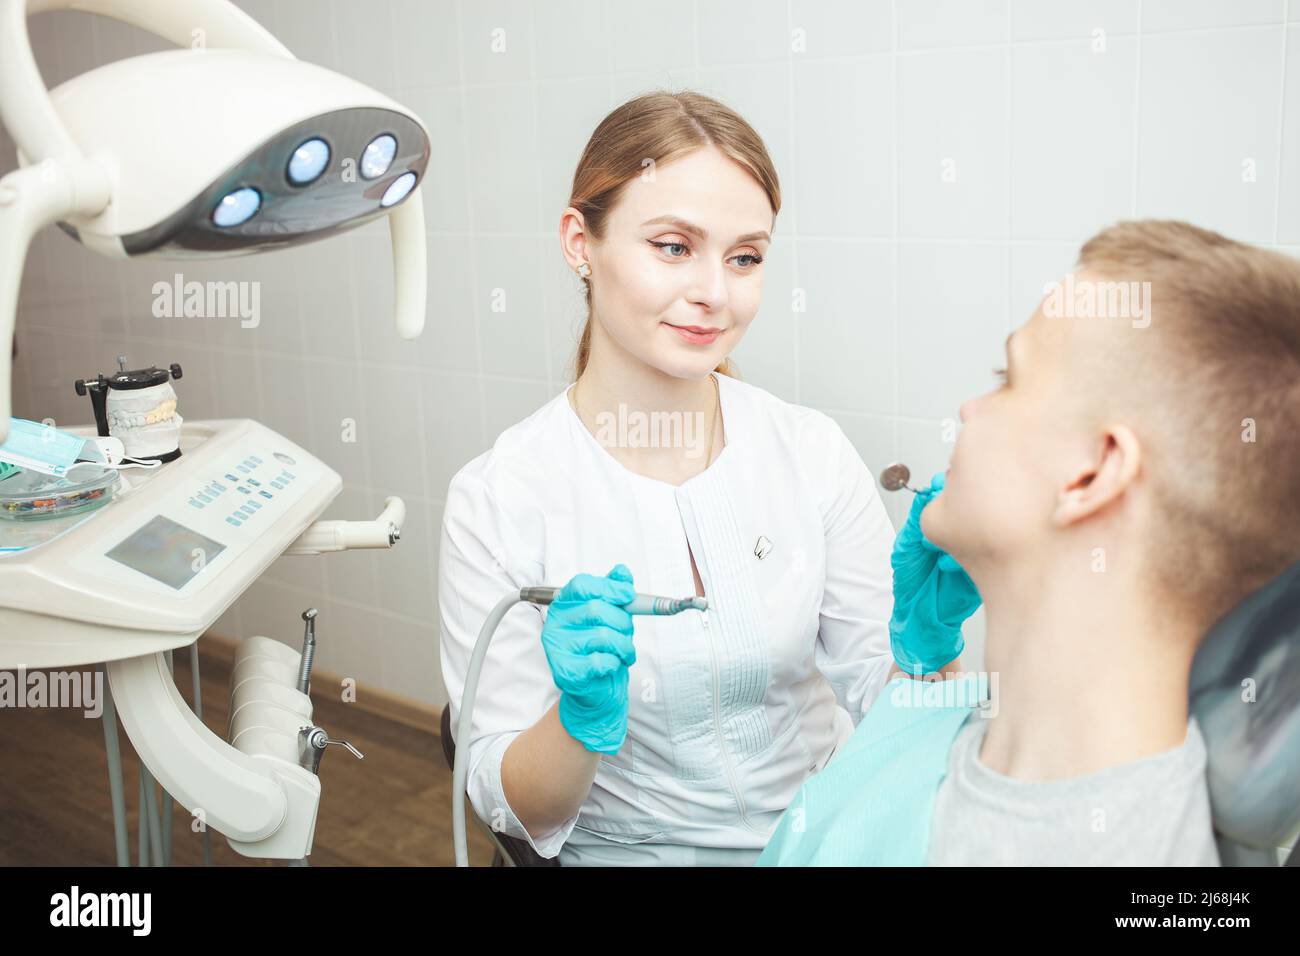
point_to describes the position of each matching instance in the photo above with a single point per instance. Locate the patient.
(1129, 481)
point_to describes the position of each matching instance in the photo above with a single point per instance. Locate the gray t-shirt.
(1149, 812)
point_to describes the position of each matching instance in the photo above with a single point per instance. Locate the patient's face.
(1016, 447)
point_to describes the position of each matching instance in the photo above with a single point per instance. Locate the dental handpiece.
(641, 604)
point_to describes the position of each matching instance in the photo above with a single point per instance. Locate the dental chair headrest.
(1245, 694)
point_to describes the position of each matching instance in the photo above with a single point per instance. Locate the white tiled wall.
(940, 160)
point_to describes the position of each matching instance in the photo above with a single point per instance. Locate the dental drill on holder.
(308, 650)
(313, 740)
(641, 604)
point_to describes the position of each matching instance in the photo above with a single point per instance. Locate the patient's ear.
(1103, 480)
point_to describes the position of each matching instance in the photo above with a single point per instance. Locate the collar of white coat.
(730, 426)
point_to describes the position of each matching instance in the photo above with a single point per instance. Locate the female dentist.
(684, 743)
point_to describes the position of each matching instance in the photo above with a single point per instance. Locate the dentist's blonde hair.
(659, 126)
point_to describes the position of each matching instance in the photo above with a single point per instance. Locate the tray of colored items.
(25, 495)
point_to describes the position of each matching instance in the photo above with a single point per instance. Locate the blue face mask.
(38, 447)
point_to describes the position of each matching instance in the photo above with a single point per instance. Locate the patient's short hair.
(1225, 456)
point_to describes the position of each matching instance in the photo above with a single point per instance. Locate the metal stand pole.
(151, 817)
(142, 822)
(168, 803)
(198, 712)
(113, 751)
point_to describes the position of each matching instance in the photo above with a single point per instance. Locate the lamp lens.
(378, 156)
(237, 207)
(308, 161)
(398, 189)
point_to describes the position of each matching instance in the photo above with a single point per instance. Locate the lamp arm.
(25, 105)
(60, 181)
(410, 265)
(32, 198)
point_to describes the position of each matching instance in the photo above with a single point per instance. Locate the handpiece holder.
(325, 536)
(312, 742)
(58, 182)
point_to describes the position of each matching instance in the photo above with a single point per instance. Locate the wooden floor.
(391, 809)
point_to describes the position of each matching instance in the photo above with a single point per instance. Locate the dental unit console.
(226, 147)
(150, 571)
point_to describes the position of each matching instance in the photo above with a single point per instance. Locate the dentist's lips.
(696, 334)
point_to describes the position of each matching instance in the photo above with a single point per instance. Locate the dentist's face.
(678, 276)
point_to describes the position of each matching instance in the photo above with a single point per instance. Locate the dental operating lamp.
(227, 147)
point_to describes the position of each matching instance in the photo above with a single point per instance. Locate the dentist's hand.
(588, 642)
(933, 595)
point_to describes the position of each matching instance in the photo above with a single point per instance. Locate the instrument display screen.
(167, 551)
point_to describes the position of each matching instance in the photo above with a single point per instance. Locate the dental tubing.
(641, 604)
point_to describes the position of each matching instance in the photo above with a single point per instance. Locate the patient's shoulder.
(1152, 812)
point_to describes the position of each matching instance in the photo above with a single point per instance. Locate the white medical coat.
(730, 710)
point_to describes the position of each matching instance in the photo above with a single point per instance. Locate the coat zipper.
(717, 726)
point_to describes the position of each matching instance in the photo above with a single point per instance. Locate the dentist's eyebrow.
(700, 231)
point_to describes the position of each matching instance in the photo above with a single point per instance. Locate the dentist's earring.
(584, 270)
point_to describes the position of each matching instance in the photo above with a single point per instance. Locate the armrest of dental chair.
(1245, 694)
(516, 850)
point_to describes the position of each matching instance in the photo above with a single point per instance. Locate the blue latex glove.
(933, 595)
(588, 643)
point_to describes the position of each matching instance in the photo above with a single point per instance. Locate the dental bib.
(872, 804)
(138, 407)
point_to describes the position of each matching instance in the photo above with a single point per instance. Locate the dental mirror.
(895, 477)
